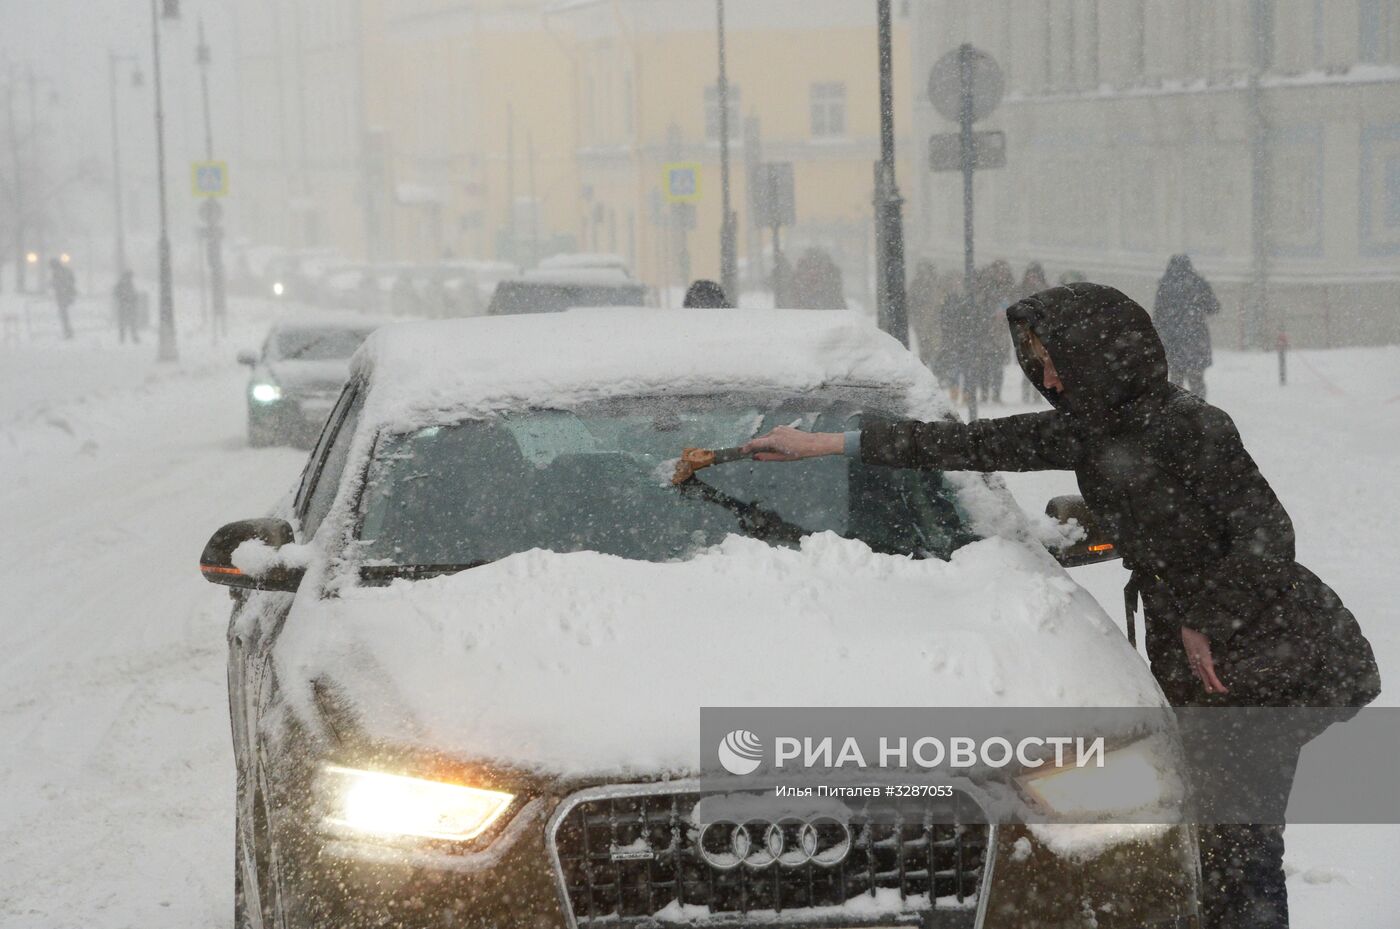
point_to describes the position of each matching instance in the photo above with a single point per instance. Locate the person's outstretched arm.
(1028, 442)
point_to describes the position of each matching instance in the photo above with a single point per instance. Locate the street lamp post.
(728, 228)
(166, 350)
(889, 221)
(210, 210)
(118, 200)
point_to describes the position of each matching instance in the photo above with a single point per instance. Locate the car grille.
(633, 860)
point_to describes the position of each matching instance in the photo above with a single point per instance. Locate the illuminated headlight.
(382, 804)
(266, 393)
(278, 289)
(1131, 779)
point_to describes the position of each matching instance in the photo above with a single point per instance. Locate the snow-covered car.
(468, 652)
(553, 291)
(297, 376)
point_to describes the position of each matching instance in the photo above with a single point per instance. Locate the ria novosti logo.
(740, 752)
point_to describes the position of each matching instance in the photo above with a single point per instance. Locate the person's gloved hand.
(788, 444)
(1198, 657)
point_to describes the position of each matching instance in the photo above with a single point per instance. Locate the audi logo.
(789, 842)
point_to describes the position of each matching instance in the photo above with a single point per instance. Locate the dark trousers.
(1245, 776)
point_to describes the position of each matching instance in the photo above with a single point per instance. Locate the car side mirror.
(254, 570)
(1096, 546)
(248, 358)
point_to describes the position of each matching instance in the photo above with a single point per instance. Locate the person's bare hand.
(788, 444)
(1199, 658)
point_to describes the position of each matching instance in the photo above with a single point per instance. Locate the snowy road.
(116, 771)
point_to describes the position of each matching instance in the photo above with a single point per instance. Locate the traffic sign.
(985, 83)
(988, 151)
(683, 182)
(209, 178)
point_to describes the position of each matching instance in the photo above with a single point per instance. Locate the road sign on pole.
(209, 178)
(985, 83)
(988, 151)
(683, 182)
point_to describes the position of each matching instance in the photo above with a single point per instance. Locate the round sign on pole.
(945, 84)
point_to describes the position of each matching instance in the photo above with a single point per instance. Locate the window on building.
(828, 110)
(712, 112)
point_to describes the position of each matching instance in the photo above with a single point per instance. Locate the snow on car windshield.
(318, 344)
(597, 479)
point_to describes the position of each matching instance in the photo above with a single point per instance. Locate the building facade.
(414, 129)
(1262, 137)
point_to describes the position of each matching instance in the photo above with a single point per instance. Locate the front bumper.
(518, 881)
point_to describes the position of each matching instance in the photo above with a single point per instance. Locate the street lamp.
(166, 350)
(728, 248)
(209, 210)
(118, 206)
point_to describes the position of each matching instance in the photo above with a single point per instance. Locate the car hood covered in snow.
(590, 664)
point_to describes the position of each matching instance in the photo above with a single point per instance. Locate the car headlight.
(1132, 778)
(383, 804)
(266, 393)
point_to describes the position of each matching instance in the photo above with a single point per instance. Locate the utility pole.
(166, 350)
(728, 224)
(889, 221)
(21, 233)
(40, 233)
(210, 210)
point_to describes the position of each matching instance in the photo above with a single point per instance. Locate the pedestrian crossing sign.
(683, 182)
(210, 178)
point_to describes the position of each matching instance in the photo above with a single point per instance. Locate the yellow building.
(802, 73)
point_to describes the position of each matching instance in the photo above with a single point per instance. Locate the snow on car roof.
(480, 364)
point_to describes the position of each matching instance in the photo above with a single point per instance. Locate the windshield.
(318, 344)
(599, 479)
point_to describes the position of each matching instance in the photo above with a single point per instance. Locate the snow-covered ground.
(116, 775)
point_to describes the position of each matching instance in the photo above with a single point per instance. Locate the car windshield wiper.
(414, 572)
(762, 524)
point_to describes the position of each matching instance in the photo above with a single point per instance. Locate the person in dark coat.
(705, 295)
(127, 302)
(1232, 618)
(1184, 300)
(65, 293)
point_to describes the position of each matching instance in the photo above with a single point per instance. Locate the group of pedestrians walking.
(126, 301)
(973, 348)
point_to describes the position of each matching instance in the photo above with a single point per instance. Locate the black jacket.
(1166, 474)
(1184, 300)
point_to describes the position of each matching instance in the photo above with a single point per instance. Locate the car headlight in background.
(1132, 778)
(266, 393)
(383, 804)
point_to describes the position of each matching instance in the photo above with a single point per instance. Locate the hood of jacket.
(1105, 349)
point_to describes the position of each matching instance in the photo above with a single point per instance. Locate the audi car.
(296, 377)
(470, 650)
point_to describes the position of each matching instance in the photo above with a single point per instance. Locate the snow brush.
(696, 459)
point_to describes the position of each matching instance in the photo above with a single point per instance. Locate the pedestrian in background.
(705, 295)
(1032, 282)
(65, 293)
(995, 288)
(127, 303)
(1184, 300)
